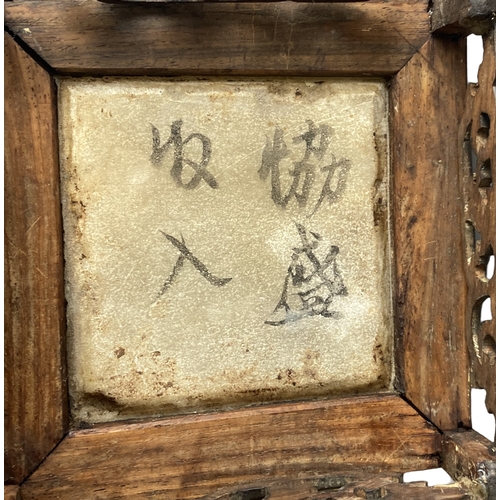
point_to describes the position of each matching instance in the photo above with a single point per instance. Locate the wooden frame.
(435, 272)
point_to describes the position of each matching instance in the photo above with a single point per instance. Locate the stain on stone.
(379, 186)
(288, 377)
(165, 385)
(310, 360)
(84, 425)
(101, 401)
(378, 353)
(119, 352)
(379, 205)
(258, 392)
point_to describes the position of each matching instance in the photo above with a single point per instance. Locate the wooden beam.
(90, 37)
(35, 388)
(340, 486)
(463, 16)
(191, 456)
(427, 104)
(214, 1)
(471, 456)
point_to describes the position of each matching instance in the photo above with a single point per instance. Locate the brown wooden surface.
(86, 36)
(470, 455)
(347, 485)
(11, 492)
(427, 101)
(477, 140)
(35, 390)
(191, 456)
(447, 13)
(463, 16)
(188, 457)
(214, 1)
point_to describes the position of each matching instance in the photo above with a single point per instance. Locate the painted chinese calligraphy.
(200, 169)
(344, 166)
(185, 254)
(310, 284)
(304, 171)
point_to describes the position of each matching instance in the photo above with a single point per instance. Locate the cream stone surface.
(226, 242)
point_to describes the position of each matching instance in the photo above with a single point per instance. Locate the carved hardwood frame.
(438, 284)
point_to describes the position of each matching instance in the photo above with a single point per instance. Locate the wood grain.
(11, 492)
(35, 389)
(347, 486)
(427, 102)
(477, 145)
(90, 37)
(208, 1)
(469, 455)
(191, 456)
(463, 16)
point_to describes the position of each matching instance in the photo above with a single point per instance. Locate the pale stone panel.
(238, 256)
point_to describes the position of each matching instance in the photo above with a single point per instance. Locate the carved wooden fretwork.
(477, 137)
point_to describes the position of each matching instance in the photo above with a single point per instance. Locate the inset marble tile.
(226, 242)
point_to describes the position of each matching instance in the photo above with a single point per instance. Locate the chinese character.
(185, 254)
(303, 173)
(200, 168)
(311, 282)
(332, 196)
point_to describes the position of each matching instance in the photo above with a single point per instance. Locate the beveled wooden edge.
(193, 455)
(36, 408)
(244, 39)
(427, 101)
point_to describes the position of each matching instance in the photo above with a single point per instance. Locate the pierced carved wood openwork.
(478, 161)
